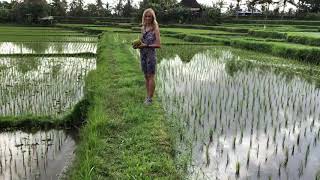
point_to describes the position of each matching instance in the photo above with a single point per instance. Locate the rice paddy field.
(42, 77)
(240, 114)
(234, 101)
(246, 122)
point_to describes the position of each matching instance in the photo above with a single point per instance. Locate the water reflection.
(40, 155)
(42, 86)
(47, 47)
(255, 119)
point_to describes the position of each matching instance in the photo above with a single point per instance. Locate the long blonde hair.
(155, 24)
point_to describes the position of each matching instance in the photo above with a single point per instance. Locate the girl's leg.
(151, 85)
(147, 84)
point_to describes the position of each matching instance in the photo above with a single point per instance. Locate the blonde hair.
(155, 24)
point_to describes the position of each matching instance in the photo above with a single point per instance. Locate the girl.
(150, 37)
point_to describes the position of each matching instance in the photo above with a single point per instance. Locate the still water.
(241, 122)
(41, 155)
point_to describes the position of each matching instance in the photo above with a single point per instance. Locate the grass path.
(123, 138)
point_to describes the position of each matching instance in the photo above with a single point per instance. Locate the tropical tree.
(34, 9)
(76, 8)
(308, 6)
(58, 7)
(118, 8)
(127, 9)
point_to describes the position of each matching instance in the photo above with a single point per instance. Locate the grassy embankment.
(73, 117)
(307, 38)
(123, 138)
(283, 49)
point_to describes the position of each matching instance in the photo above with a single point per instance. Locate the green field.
(231, 99)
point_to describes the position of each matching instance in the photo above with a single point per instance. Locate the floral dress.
(148, 55)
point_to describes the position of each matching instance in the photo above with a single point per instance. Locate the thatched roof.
(190, 3)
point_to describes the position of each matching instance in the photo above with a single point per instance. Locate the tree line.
(167, 10)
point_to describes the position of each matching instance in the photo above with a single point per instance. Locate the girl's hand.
(142, 45)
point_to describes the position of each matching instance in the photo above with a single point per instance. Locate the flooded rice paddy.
(42, 85)
(47, 47)
(241, 123)
(41, 155)
(49, 83)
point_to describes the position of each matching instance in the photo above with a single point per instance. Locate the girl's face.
(148, 18)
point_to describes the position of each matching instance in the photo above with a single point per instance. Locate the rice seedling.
(237, 169)
(248, 158)
(259, 170)
(42, 86)
(285, 163)
(306, 155)
(250, 108)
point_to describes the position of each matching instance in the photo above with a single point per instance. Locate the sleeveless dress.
(148, 55)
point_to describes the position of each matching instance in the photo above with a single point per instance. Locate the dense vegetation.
(168, 11)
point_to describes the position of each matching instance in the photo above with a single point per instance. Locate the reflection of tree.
(34, 47)
(76, 8)
(25, 65)
(186, 52)
(58, 8)
(58, 47)
(41, 47)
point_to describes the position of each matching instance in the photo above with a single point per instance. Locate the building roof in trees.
(190, 3)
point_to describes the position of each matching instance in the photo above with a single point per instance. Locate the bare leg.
(151, 85)
(147, 84)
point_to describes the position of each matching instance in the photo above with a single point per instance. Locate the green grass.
(71, 118)
(311, 34)
(268, 34)
(112, 29)
(195, 31)
(312, 39)
(274, 22)
(129, 37)
(123, 139)
(288, 50)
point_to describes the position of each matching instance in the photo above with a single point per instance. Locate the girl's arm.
(157, 43)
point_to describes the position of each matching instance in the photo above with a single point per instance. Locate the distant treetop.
(190, 3)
